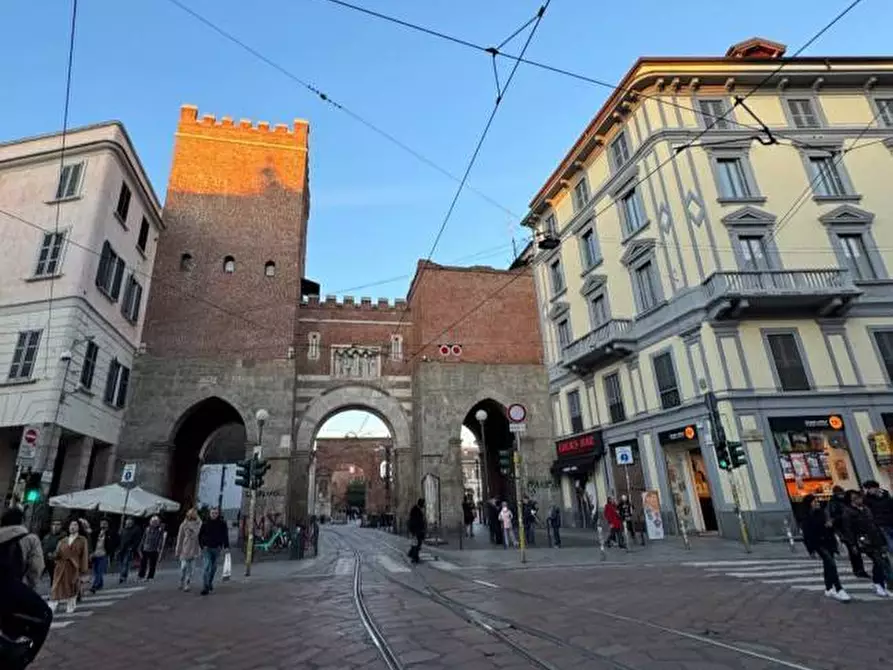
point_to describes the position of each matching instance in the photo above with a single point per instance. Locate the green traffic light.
(32, 495)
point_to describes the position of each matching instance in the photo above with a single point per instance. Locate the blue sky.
(376, 209)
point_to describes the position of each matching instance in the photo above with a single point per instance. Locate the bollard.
(601, 541)
(789, 534)
(296, 548)
(684, 531)
(461, 536)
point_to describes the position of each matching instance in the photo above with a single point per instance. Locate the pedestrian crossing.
(798, 574)
(92, 604)
(397, 566)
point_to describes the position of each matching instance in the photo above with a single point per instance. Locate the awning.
(115, 499)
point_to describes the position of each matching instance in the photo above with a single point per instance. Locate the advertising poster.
(654, 525)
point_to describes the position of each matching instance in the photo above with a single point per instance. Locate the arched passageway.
(493, 436)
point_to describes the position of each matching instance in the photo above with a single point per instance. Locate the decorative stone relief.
(356, 362)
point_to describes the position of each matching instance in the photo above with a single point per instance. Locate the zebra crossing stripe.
(390, 564)
(446, 566)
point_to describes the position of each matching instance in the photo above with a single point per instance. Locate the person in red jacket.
(612, 516)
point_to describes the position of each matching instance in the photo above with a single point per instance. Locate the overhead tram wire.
(840, 15)
(69, 68)
(326, 98)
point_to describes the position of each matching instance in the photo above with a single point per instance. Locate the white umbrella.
(116, 499)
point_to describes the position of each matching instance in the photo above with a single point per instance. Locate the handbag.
(227, 566)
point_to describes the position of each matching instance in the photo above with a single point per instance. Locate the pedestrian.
(417, 527)
(104, 545)
(23, 613)
(529, 509)
(72, 563)
(880, 503)
(818, 538)
(493, 521)
(862, 531)
(213, 538)
(835, 510)
(615, 524)
(150, 547)
(468, 515)
(625, 510)
(506, 519)
(188, 549)
(49, 543)
(555, 525)
(129, 547)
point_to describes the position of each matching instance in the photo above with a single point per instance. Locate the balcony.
(610, 340)
(732, 295)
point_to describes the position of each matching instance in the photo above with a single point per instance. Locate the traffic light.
(505, 461)
(243, 474)
(722, 456)
(260, 469)
(33, 492)
(737, 455)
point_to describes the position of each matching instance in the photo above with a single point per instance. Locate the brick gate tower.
(220, 327)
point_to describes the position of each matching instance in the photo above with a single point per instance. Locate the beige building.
(724, 225)
(79, 236)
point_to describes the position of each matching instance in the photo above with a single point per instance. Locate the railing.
(556, 372)
(599, 337)
(779, 282)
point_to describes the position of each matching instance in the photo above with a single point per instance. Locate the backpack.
(12, 559)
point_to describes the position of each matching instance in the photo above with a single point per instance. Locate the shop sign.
(689, 432)
(807, 423)
(579, 445)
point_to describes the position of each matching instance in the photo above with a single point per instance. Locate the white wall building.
(79, 230)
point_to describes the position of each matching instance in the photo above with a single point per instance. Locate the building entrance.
(688, 481)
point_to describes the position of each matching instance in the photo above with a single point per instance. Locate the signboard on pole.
(28, 445)
(518, 428)
(624, 455)
(517, 413)
(128, 475)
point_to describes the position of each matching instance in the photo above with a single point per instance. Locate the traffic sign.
(518, 427)
(517, 413)
(28, 446)
(624, 455)
(128, 475)
(30, 436)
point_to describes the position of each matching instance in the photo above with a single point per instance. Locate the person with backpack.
(25, 618)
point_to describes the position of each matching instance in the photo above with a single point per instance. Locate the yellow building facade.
(723, 229)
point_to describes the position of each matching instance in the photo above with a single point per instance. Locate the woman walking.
(188, 548)
(508, 531)
(818, 537)
(71, 564)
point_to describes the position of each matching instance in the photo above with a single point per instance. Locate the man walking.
(417, 529)
(212, 538)
(49, 543)
(129, 547)
(880, 503)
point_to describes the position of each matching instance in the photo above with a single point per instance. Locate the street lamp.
(387, 478)
(481, 416)
(260, 417)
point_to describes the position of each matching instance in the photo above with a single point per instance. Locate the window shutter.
(104, 260)
(110, 381)
(137, 299)
(121, 400)
(125, 303)
(116, 282)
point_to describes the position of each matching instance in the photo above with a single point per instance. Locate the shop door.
(702, 490)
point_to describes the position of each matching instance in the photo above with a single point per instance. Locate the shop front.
(577, 459)
(687, 479)
(814, 456)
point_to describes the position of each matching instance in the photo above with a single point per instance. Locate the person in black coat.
(835, 509)
(417, 529)
(818, 536)
(861, 531)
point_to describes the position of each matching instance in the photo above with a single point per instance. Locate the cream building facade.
(723, 225)
(79, 230)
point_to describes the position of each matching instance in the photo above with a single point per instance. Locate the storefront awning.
(578, 453)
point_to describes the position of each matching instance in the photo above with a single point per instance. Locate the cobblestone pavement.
(703, 613)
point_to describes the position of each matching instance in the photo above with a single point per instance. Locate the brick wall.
(504, 330)
(240, 190)
(334, 455)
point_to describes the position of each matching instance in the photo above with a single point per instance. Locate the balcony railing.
(596, 342)
(779, 282)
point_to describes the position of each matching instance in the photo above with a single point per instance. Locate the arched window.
(270, 269)
(229, 265)
(186, 262)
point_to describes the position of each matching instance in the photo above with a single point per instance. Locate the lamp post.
(261, 418)
(481, 416)
(387, 479)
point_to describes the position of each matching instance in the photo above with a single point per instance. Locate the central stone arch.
(384, 406)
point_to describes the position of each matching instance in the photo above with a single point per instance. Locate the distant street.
(657, 607)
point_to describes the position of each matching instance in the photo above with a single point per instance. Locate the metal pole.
(601, 540)
(628, 500)
(124, 510)
(789, 535)
(222, 482)
(522, 537)
(387, 482)
(486, 478)
(684, 529)
(745, 540)
(252, 504)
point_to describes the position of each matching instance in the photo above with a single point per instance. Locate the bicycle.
(278, 541)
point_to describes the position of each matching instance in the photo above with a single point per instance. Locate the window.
(24, 355)
(885, 111)
(646, 286)
(116, 384)
(632, 212)
(270, 269)
(556, 276)
(229, 265)
(123, 202)
(753, 252)
(564, 333)
(143, 239)
(803, 113)
(551, 225)
(396, 347)
(714, 114)
(598, 310)
(575, 411)
(110, 272)
(313, 346)
(69, 181)
(581, 194)
(591, 255)
(50, 252)
(89, 367)
(856, 256)
(825, 177)
(732, 178)
(620, 151)
(884, 341)
(667, 386)
(614, 396)
(788, 363)
(133, 295)
(186, 263)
